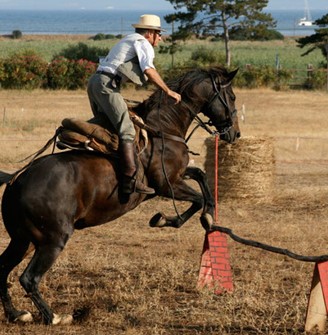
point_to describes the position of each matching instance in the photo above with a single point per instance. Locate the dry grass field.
(127, 278)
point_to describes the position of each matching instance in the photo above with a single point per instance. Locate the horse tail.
(5, 177)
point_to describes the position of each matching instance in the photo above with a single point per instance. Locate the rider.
(131, 59)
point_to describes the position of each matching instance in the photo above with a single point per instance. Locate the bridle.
(221, 128)
(225, 126)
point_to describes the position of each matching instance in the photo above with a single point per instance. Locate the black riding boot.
(130, 183)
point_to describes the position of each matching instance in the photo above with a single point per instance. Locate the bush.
(26, 70)
(58, 73)
(2, 71)
(206, 57)
(317, 80)
(101, 37)
(16, 34)
(263, 76)
(82, 51)
(260, 34)
(82, 70)
(69, 74)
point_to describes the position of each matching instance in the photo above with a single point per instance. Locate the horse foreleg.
(161, 220)
(208, 209)
(9, 259)
(185, 193)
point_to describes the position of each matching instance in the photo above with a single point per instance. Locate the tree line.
(236, 19)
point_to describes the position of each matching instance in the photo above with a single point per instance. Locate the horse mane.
(183, 85)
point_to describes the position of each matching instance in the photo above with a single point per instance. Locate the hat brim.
(143, 26)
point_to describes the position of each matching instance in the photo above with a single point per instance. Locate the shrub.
(58, 73)
(16, 34)
(263, 76)
(26, 70)
(206, 57)
(64, 73)
(256, 34)
(101, 37)
(82, 51)
(2, 71)
(82, 69)
(283, 77)
(317, 80)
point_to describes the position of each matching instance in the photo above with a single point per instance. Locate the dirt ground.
(127, 278)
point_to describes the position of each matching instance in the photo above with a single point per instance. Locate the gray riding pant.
(108, 100)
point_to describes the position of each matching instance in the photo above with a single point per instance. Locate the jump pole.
(317, 309)
(215, 270)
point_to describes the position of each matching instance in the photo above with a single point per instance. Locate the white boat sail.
(307, 19)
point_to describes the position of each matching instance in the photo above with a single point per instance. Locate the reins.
(162, 157)
(200, 123)
(204, 125)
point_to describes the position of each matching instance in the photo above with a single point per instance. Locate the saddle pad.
(91, 134)
(72, 140)
(92, 130)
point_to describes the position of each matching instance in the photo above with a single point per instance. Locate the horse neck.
(171, 119)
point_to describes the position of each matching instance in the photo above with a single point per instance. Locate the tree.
(318, 40)
(206, 17)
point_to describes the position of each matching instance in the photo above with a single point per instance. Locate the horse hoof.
(24, 317)
(157, 221)
(65, 319)
(207, 221)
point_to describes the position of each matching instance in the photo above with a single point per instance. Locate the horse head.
(220, 103)
(203, 91)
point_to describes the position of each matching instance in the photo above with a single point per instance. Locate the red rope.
(216, 176)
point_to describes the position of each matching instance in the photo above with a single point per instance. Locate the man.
(131, 59)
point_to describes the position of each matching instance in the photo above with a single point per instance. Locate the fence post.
(326, 48)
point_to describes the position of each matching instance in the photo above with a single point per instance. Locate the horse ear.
(232, 74)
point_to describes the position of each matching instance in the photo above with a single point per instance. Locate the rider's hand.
(176, 96)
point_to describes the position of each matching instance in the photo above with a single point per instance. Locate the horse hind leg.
(10, 258)
(42, 260)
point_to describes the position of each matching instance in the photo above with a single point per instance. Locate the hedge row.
(29, 71)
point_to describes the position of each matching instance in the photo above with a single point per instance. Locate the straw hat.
(148, 21)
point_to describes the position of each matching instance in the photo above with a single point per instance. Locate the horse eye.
(232, 97)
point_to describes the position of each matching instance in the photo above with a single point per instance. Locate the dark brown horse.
(71, 190)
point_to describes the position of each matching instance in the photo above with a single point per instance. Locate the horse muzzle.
(230, 135)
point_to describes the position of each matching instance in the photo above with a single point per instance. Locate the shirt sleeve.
(145, 53)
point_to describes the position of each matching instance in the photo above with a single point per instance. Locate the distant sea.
(117, 22)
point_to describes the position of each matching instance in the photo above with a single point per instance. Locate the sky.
(145, 5)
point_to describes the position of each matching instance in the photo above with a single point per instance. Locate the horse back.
(80, 189)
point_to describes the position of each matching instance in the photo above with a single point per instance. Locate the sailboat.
(306, 20)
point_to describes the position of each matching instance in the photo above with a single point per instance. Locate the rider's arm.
(145, 53)
(156, 79)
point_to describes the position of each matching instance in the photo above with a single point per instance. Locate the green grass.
(46, 48)
(255, 53)
(243, 52)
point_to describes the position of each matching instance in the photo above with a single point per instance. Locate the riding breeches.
(108, 100)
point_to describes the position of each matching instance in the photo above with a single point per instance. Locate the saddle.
(97, 134)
